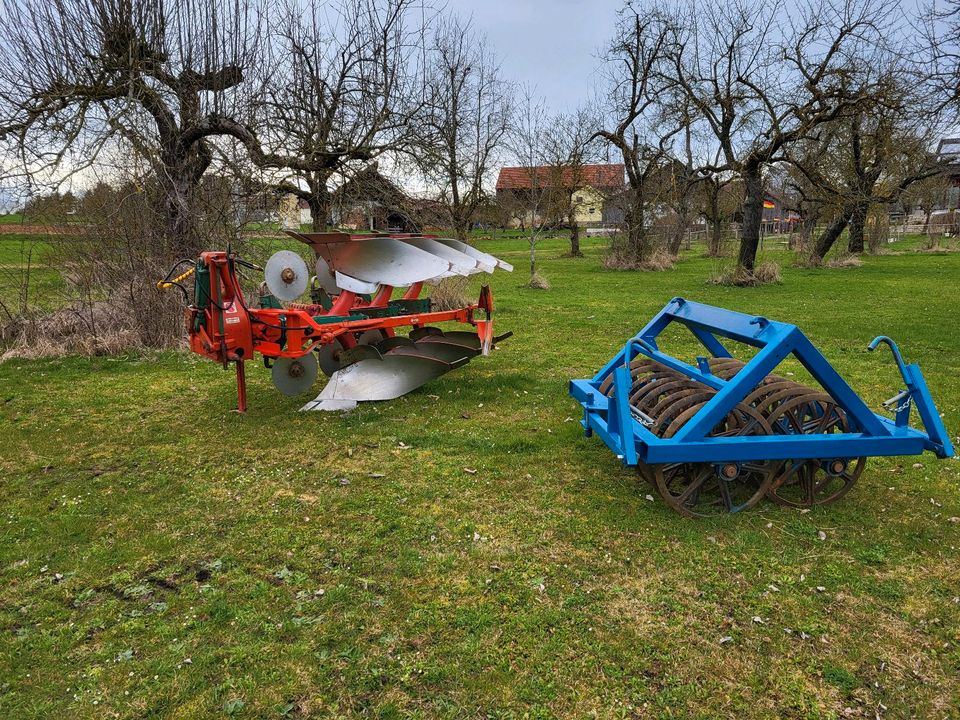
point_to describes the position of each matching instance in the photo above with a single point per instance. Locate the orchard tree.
(941, 25)
(543, 182)
(345, 87)
(636, 76)
(569, 148)
(466, 119)
(868, 156)
(77, 77)
(759, 84)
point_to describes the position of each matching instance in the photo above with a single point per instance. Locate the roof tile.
(597, 176)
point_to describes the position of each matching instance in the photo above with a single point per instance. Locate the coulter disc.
(293, 376)
(286, 275)
(329, 357)
(325, 277)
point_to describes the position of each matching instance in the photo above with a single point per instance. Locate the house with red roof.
(591, 190)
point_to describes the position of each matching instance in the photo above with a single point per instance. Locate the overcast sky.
(551, 44)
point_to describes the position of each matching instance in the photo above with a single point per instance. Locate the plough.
(718, 436)
(349, 328)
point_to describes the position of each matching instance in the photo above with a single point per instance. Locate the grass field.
(464, 552)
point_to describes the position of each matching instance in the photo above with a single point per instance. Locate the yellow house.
(587, 206)
(288, 210)
(590, 188)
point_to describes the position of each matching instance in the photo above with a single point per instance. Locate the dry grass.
(101, 328)
(450, 294)
(538, 282)
(807, 262)
(940, 246)
(658, 261)
(848, 261)
(766, 273)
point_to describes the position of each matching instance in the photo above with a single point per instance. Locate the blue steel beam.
(741, 385)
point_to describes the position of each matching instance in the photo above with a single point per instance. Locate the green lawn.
(162, 556)
(25, 270)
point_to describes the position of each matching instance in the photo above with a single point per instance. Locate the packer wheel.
(807, 483)
(699, 489)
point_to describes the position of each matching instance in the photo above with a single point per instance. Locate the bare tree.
(717, 206)
(927, 195)
(940, 23)
(467, 117)
(634, 67)
(569, 147)
(77, 76)
(544, 182)
(758, 86)
(683, 176)
(345, 87)
(866, 157)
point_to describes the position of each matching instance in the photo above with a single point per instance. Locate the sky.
(550, 44)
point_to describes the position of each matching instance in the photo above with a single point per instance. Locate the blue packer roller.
(718, 436)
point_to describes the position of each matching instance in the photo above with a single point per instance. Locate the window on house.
(593, 211)
(579, 199)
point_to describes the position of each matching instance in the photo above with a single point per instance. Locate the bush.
(450, 294)
(108, 257)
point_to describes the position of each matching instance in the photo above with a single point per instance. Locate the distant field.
(26, 279)
(464, 552)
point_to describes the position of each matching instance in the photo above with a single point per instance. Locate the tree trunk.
(858, 219)
(178, 202)
(574, 235)
(878, 233)
(716, 238)
(533, 254)
(575, 250)
(807, 226)
(752, 217)
(830, 234)
(638, 242)
(683, 222)
(179, 179)
(461, 229)
(715, 221)
(319, 203)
